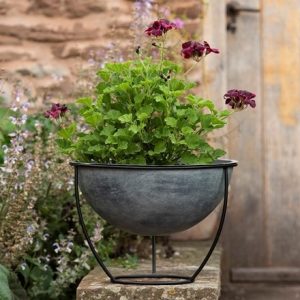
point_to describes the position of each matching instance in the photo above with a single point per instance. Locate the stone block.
(96, 286)
(3, 8)
(69, 8)
(41, 33)
(191, 11)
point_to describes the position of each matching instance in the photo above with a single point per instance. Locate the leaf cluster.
(143, 113)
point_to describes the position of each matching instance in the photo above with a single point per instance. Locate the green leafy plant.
(10, 287)
(137, 117)
(143, 111)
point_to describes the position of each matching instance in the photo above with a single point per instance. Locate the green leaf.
(138, 99)
(124, 86)
(64, 144)
(95, 148)
(187, 130)
(189, 159)
(181, 112)
(208, 104)
(101, 86)
(193, 141)
(218, 153)
(224, 113)
(86, 101)
(165, 90)
(144, 113)
(94, 119)
(206, 121)
(159, 98)
(176, 84)
(122, 145)
(18, 292)
(160, 147)
(112, 115)
(5, 292)
(122, 132)
(217, 122)
(139, 160)
(127, 118)
(67, 132)
(170, 121)
(111, 140)
(24, 270)
(133, 128)
(104, 74)
(133, 148)
(108, 130)
(192, 116)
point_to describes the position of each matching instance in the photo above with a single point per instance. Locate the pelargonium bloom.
(196, 50)
(57, 110)
(239, 99)
(160, 27)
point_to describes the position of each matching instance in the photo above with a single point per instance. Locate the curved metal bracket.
(85, 232)
(219, 231)
(137, 279)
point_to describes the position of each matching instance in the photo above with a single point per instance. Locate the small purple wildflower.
(179, 24)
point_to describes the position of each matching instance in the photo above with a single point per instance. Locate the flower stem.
(190, 69)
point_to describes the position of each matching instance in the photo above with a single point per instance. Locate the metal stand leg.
(215, 241)
(155, 279)
(85, 232)
(153, 254)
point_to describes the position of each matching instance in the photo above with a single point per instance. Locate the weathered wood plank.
(281, 69)
(246, 3)
(265, 275)
(262, 292)
(245, 239)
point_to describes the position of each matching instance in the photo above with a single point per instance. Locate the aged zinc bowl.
(153, 200)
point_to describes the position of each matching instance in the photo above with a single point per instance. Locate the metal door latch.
(233, 9)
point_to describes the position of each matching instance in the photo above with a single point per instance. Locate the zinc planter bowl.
(153, 200)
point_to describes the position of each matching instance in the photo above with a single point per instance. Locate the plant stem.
(190, 69)
(162, 50)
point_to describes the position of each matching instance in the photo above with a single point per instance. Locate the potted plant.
(141, 158)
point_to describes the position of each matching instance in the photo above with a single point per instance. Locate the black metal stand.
(154, 278)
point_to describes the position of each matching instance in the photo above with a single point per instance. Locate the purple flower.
(196, 50)
(179, 24)
(239, 99)
(160, 27)
(57, 110)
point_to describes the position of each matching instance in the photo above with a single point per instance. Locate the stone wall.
(47, 43)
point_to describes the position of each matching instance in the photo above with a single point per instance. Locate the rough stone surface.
(96, 286)
(68, 34)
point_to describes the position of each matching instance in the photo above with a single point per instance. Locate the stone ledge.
(207, 286)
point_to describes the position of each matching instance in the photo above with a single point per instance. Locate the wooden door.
(262, 234)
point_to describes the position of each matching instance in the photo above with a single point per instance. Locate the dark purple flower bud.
(57, 110)
(160, 27)
(239, 99)
(196, 50)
